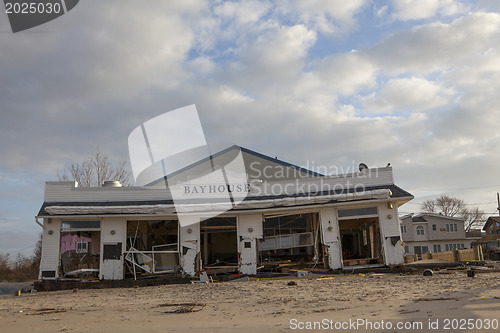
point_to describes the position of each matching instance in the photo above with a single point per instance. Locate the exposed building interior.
(80, 249)
(152, 247)
(291, 240)
(80, 252)
(219, 243)
(360, 239)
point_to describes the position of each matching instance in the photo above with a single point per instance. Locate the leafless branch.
(454, 207)
(94, 170)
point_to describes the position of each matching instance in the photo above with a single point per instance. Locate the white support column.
(249, 230)
(190, 245)
(331, 236)
(113, 235)
(51, 247)
(390, 234)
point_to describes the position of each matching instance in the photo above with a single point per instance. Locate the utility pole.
(498, 203)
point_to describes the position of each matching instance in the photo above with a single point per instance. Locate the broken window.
(80, 252)
(294, 238)
(287, 241)
(152, 247)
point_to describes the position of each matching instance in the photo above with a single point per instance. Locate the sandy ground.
(267, 305)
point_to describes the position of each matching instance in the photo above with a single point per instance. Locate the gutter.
(38, 222)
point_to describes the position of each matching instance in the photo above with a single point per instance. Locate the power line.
(485, 213)
(28, 247)
(468, 204)
(451, 190)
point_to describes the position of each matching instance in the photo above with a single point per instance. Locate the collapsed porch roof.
(157, 207)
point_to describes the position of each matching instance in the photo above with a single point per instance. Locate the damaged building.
(285, 214)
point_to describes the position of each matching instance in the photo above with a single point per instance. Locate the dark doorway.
(219, 241)
(360, 240)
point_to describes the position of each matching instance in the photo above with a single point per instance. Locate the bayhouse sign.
(221, 188)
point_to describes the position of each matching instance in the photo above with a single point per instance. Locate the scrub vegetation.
(22, 268)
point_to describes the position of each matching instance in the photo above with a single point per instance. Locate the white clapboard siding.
(50, 246)
(67, 192)
(390, 227)
(330, 234)
(113, 231)
(190, 244)
(249, 230)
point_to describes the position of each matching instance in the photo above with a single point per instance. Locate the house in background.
(491, 238)
(492, 229)
(433, 233)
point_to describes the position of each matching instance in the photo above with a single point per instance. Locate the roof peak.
(243, 149)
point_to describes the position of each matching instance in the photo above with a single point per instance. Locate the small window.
(49, 274)
(434, 227)
(447, 227)
(357, 211)
(420, 230)
(438, 248)
(81, 224)
(455, 227)
(248, 245)
(112, 251)
(447, 247)
(407, 249)
(82, 247)
(434, 247)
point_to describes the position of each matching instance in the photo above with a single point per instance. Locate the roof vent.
(112, 183)
(362, 167)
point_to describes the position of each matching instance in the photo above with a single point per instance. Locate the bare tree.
(474, 218)
(94, 170)
(444, 205)
(4, 262)
(454, 207)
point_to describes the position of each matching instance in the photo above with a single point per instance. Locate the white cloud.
(438, 46)
(415, 94)
(345, 73)
(423, 9)
(382, 11)
(275, 57)
(243, 12)
(326, 16)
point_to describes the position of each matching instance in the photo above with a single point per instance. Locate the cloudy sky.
(320, 82)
